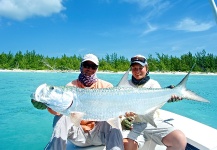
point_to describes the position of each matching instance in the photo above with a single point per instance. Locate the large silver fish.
(104, 104)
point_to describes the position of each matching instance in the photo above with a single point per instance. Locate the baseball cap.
(90, 57)
(139, 59)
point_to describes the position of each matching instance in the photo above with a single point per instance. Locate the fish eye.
(51, 88)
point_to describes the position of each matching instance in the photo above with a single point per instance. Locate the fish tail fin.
(193, 96)
(187, 93)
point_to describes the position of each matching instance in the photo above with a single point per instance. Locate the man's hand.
(127, 122)
(87, 125)
(173, 98)
(38, 105)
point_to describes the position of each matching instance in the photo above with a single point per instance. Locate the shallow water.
(24, 127)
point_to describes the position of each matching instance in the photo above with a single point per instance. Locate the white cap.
(90, 57)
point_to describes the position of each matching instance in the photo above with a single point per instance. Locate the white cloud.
(23, 9)
(153, 7)
(147, 3)
(151, 28)
(188, 24)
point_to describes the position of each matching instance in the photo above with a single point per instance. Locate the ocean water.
(23, 127)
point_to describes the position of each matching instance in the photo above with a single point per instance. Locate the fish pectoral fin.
(76, 118)
(115, 123)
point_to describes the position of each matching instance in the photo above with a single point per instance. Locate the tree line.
(30, 60)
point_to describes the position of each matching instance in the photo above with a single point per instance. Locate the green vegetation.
(30, 60)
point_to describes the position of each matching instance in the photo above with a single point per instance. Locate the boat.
(199, 136)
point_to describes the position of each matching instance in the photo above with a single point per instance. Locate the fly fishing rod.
(214, 9)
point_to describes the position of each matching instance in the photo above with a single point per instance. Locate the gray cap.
(139, 59)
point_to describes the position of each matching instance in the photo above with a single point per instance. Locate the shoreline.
(106, 72)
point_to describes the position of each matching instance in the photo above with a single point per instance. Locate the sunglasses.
(141, 59)
(136, 68)
(87, 65)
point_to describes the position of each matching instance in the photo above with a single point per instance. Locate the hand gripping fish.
(105, 104)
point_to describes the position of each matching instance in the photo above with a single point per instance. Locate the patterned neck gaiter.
(87, 80)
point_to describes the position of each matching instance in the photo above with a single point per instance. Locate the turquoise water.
(23, 127)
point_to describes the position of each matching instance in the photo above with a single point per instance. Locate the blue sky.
(125, 27)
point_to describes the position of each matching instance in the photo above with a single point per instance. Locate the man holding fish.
(89, 132)
(164, 134)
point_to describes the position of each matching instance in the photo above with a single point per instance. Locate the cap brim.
(91, 61)
(138, 62)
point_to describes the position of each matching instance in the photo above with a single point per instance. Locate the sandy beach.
(107, 72)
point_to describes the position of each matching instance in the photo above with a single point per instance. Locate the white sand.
(107, 72)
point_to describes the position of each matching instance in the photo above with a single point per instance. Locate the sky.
(125, 27)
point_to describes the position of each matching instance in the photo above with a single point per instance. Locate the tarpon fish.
(104, 104)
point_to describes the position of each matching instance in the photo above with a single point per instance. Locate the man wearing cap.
(164, 134)
(89, 132)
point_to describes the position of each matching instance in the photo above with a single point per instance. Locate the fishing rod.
(214, 9)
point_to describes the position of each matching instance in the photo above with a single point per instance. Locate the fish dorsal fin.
(124, 80)
(184, 80)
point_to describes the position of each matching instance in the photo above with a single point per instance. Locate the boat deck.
(199, 136)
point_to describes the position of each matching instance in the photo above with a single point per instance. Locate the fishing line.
(45, 62)
(212, 2)
(25, 110)
(17, 110)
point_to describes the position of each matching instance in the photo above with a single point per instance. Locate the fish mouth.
(32, 96)
(35, 96)
(39, 90)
